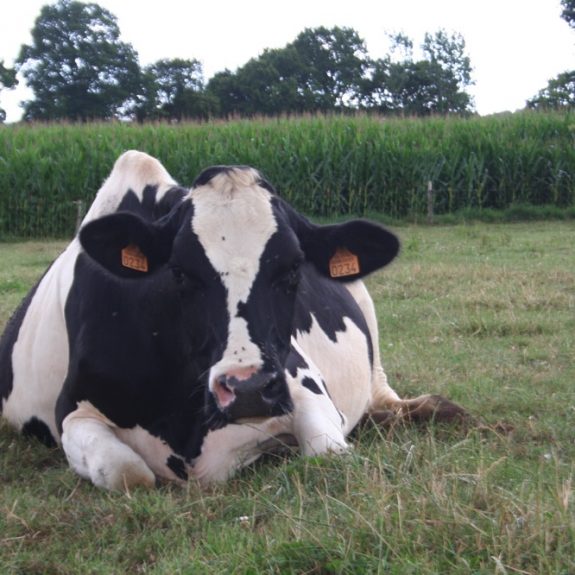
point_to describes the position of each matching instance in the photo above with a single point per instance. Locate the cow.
(183, 332)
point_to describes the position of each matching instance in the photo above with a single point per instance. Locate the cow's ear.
(127, 245)
(350, 250)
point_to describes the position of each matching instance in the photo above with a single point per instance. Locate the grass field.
(484, 314)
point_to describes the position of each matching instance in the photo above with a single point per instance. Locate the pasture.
(484, 314)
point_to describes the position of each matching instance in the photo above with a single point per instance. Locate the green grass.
(484, 314)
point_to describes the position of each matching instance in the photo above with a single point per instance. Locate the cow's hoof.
(125, 478)
(382, 418)
(433, 408)
(121, 471)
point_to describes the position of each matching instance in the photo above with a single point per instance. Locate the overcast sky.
(515, 46)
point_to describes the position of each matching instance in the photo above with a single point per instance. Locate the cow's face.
(255, 256)
(234, 253)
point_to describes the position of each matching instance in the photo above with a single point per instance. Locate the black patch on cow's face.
(38, 429)
(202, 297)
(310, 384)
(269, 310)
(178, 466)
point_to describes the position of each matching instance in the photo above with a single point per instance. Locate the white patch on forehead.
(233, 220)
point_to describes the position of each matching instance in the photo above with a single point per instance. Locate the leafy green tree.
(321, 70)
(7, 80)
(568, 13)
(265, 85)
(560, 91)
(77, 66)
(174, 89)
(326, 70)
(225, 88)
(434, 84)
(335, 62)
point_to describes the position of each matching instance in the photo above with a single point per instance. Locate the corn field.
(325, 166)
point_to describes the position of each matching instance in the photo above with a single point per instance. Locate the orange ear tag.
(134, 259)
(343, 263)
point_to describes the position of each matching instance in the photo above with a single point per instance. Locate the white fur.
(382, 395)
(40, 354)
(134, 171)
(233, 221)
(344, 365)
(94, 451)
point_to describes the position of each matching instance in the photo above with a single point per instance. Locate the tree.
(7, 80)
(225, 89)
(434, 84)
(568, 13)
(174, 89)
(321, 70)
(336, 61)
(265, 85)
(560, 91)
(77, 66)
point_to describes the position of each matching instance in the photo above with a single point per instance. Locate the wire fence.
(39, 218)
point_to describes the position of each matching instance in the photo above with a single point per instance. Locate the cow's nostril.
(272, 390)
(224, 394)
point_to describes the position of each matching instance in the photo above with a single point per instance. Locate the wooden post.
(429, 202)
(79, 213)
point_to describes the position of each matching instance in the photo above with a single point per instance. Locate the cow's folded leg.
(318, 425)
(226, 450)
(432, 407)
(317, 435)
(94, 452)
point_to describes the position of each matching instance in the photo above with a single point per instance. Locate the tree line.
(79, 70)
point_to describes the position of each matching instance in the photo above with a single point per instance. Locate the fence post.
(429, 202)
(79, 213)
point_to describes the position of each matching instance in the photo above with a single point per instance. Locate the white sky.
(515, 46)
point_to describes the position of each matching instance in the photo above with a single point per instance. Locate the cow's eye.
(185, 280)
(289, 279)
(178, 274)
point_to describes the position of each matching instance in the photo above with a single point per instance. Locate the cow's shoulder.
(329, 303)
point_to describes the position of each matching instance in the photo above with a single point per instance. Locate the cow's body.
(177, 361)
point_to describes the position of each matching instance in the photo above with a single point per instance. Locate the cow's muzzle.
(249, 393)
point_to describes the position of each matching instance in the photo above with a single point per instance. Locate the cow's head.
(233, 252)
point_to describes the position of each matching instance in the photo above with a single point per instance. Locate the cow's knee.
(95, 453)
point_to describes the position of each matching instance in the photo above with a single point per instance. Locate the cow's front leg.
(317, 424)
(228, 449)
(94, 451)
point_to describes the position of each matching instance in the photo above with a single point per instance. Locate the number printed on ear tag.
(343, 263)
(134, 259)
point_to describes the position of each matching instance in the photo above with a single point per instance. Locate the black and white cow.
(183, 330)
